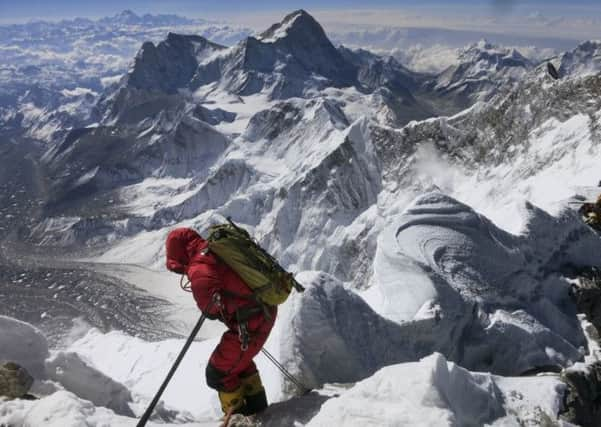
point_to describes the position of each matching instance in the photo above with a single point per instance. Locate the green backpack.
(270, 283)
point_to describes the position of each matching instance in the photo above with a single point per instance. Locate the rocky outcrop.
(15, 381)
(587, 296)
(582, 402)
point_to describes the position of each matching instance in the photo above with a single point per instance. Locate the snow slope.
(404, 394)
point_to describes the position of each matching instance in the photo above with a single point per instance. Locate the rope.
(287, 374)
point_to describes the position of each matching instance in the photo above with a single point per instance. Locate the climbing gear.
(243, 336)
(217, 303)
(185, 286)
(242, 316)
(155, 400)
(301, 387)
(270, 283)
(231, 400)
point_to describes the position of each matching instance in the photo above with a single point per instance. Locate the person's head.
(180, 245)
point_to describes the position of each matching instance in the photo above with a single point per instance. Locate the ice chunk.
(24, 344)
(88, 383)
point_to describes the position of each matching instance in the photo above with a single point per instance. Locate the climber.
(221, 294)
(591, 213)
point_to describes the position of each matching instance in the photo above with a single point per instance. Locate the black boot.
(255, 399)
(254, 404)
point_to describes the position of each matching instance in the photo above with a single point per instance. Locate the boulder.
(15, 381)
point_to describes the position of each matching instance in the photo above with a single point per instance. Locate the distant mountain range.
(279, 120)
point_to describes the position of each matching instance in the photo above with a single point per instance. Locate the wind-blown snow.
(443, 256)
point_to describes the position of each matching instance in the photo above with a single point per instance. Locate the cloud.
(84, 54)
(107, 81)
(491, 19)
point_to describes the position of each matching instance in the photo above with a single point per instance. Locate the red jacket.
(208, 275)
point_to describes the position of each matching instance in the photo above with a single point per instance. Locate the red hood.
(181, 245)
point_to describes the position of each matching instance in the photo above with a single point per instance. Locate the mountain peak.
(127, 15)
(298, 23)
(127, 12)
(170, 64)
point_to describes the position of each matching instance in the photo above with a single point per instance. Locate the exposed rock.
(587, 296)
(15, 381)
(582, 402)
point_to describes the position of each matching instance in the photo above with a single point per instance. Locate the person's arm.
(206, 284)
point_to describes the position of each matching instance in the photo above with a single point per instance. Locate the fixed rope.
(296, 382)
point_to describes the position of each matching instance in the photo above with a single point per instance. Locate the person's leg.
(229, 363)
(226, 356)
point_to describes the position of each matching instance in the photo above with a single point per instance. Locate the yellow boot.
(254, 394)
(231, 401)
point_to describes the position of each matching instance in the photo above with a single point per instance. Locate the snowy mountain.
(77, 55)
(481, 71)
(585, 59)
(156, 114)
(439, 253)
(171, 64)
(181, 87)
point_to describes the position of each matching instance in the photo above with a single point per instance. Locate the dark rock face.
(170, 64)
(588, 296)
(15, 381)
(582, 401)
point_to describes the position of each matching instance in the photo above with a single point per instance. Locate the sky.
(19, 10)
(557, 19)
